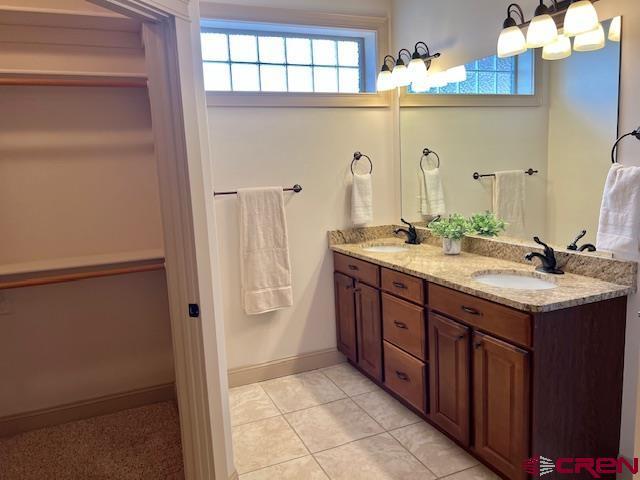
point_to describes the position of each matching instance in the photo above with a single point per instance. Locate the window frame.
(378, 26)
(280, 34)
(482, 100)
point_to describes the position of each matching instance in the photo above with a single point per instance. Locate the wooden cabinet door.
(345, 315)
(369, 330)
(449, 377)
(501, 404)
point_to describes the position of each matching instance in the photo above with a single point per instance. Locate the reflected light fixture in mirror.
(590, 41)
(401, 76)
(542, 29)
(581, 18)
(457, 74)
(385, 78)
(557, 50)
(512, 41)
(615, 29)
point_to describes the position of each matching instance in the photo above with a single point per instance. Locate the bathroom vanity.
(507, 374)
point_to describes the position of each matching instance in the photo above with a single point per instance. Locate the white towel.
(264, 251)
(619, 226)
(435, 192)
(508, 200)
(362, 199)
(423, 206)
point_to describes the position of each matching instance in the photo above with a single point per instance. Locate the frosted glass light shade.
(557, 50)
(457, 74)
(417, 69)
(590, 41)
(385, 81)
(422, 85)
(439, 79)
(401, 76)
(581, 17)
(542, 31)
(511, 42)
(615, 29)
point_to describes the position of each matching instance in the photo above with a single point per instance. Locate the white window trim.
(285, 16)
(440, 100)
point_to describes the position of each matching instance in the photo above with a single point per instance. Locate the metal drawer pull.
(399, 285)
(400, 324)
(470, 310)
(353, 267)
(478, 345)
(402, 376)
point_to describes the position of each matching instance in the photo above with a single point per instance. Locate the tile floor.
(335, 424)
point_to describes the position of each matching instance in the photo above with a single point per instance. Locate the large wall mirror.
(561, 131)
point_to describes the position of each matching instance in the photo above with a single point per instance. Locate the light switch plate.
(6, 306)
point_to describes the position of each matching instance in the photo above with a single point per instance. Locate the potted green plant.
(486, 224)
(451, 229)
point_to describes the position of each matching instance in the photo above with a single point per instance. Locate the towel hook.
(357, 156)
(425, 154)
(635, 133)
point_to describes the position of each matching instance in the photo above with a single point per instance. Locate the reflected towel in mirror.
(509, 199)
(431, 193)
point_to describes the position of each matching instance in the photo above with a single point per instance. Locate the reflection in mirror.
(562, 134)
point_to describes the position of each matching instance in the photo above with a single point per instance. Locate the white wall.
(583, 124)
(475, 139)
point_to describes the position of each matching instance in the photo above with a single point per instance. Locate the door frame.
(171, 37)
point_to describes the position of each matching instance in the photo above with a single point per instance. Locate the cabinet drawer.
(403, 285)
(364, 271)
(497, 319)
(403, 324)
(405, 376)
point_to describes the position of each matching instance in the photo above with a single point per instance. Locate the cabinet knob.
(399, 285)
(469, 310)
(462, 337)
(353, 267)
(400, 325)
(477, 345)
(402, 376)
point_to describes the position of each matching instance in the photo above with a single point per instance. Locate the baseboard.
(24, 422)
(286, 366)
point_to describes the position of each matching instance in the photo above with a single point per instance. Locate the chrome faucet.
(587, 246)
(411, 233)
(549, 262)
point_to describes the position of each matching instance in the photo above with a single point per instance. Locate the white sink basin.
(514, 281)
(385, 249)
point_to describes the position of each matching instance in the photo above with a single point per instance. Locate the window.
(287, 60)
(494, 76)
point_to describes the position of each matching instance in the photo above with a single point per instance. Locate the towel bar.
(478, 176)
(296, 188)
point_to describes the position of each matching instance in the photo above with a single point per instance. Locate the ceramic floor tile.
(386, 410)
(476, 473)
(437, 452)
(328, 426)
(349, 379)
(264, 443)
(250, 403)
(375, 458)
(304, 390)
(305, 468)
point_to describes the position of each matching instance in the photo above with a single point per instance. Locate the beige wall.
(313, 147)
(475, 139)
(77, 179)
(583, 124)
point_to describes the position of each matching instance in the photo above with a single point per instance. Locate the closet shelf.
(31, 276)
(50, 78)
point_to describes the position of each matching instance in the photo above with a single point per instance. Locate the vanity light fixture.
(557, 50)
(512, 41)
(401, 76)
(542, 29)
(590, 41)
(385, 78)
(439, 79)
(615, 29)
(420, 62)
(457, 74)
(581, 17)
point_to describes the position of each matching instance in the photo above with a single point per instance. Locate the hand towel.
(423, 206)
(362, 199)
(619, 225)
(509, 201)
(435, 192)
(264, 251)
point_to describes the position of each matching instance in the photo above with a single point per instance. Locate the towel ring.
(357, 156)
(635, 133)
(425, 154)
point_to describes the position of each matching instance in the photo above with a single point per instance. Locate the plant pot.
(451, 246)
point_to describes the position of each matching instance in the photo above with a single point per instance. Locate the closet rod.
(72, 82)
(72, 277)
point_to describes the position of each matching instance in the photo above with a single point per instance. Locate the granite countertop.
(457, 271)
